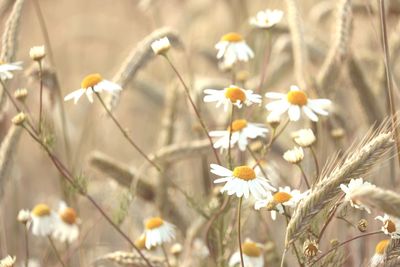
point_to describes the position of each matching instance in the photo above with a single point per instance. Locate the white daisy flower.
(241, 132)
(391, 225)
(379, 256)
(295, 101)
(284, 197)
(8, 261)
(161, 46)
(265, 19)
(233, 48)
(232, 95)
(304, 137)
(273, 120)
(294, 156)
(24, 216)
(37, 53)
(158, 232)
(252, 256)
(92, 83)
(43, 220)
(66, 227)
(6, 69)
(353, 185)
(242, 181)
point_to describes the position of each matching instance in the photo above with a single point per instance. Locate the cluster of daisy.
(62, 224)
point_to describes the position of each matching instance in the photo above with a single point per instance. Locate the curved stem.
(56, 251)
(314, 155)
(126, 134)
(304, 175)
(239, 234)
(41, 96)
(196, 110)
(165, 255)
(230, 138)
(26, 246)
(342, 244)
(330, 217)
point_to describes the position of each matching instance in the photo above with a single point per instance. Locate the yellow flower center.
(232, 37)
(238, 125)
(41, 210)
(91, 80)
(244, 172)
(154, 223)
(390, 226)
(234, 94)
(297, 98)
(68, 215)
(140, 243)
(250, 249)
(381, 246)
(2, 62)
(282, 197)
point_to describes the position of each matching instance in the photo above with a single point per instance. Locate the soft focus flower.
(294, 155)
(8, 261)
(241, 132)
(232, 95)
(24, 216)
(43, 220)
(176, 249)
(161, 46)
(284, 197)
(242, 181)
(7, 68)
(362, 225)
(274, 120)
(21, 94)
(266, 18)
(19, 119)
(391, 225)
(379, 256)
(353, 185)
(66, 225)
(233, 48)
(252, 256)
(158, 232)
(295, 101)
(92, 83)
(304, 137)
(37, 53)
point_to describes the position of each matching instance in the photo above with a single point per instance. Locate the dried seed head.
(21, 94)
(19, 119)
(362, 225)
(24, 216)
(273, 120)
(37, 53)
(334, 242)
(310, 248)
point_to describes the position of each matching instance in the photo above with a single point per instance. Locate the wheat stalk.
(131, 259)
(139, 56)
(357, 162)
(331, 67)
(384, 200)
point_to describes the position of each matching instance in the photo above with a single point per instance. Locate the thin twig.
(56, 251)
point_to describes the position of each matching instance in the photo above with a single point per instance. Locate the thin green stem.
(56, 252)
(26, 246)
(165, 255)
(196, 110)
(125, 134)
(41, 96)
(304, 175)
(314, 155)
(230, 138)
(239, 234)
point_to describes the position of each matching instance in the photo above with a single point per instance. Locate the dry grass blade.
(392, 253)
(358, 161)
(8, 147)
(138, 58)
(300, 54)
(130, 259)
(332, 64)
(384, 200)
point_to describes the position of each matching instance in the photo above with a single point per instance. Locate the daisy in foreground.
(354, 185)
(379, 256)
(158, 232)
(92, 83)
(285, 197)
(242, 181)
(391, 225)
(66, 226)
(266, 18)
(233, 48)
(232, 95)
(7, 261)
(43, 219)
(294, 102)
(241, 132)
(7, 68)
(252, 256)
